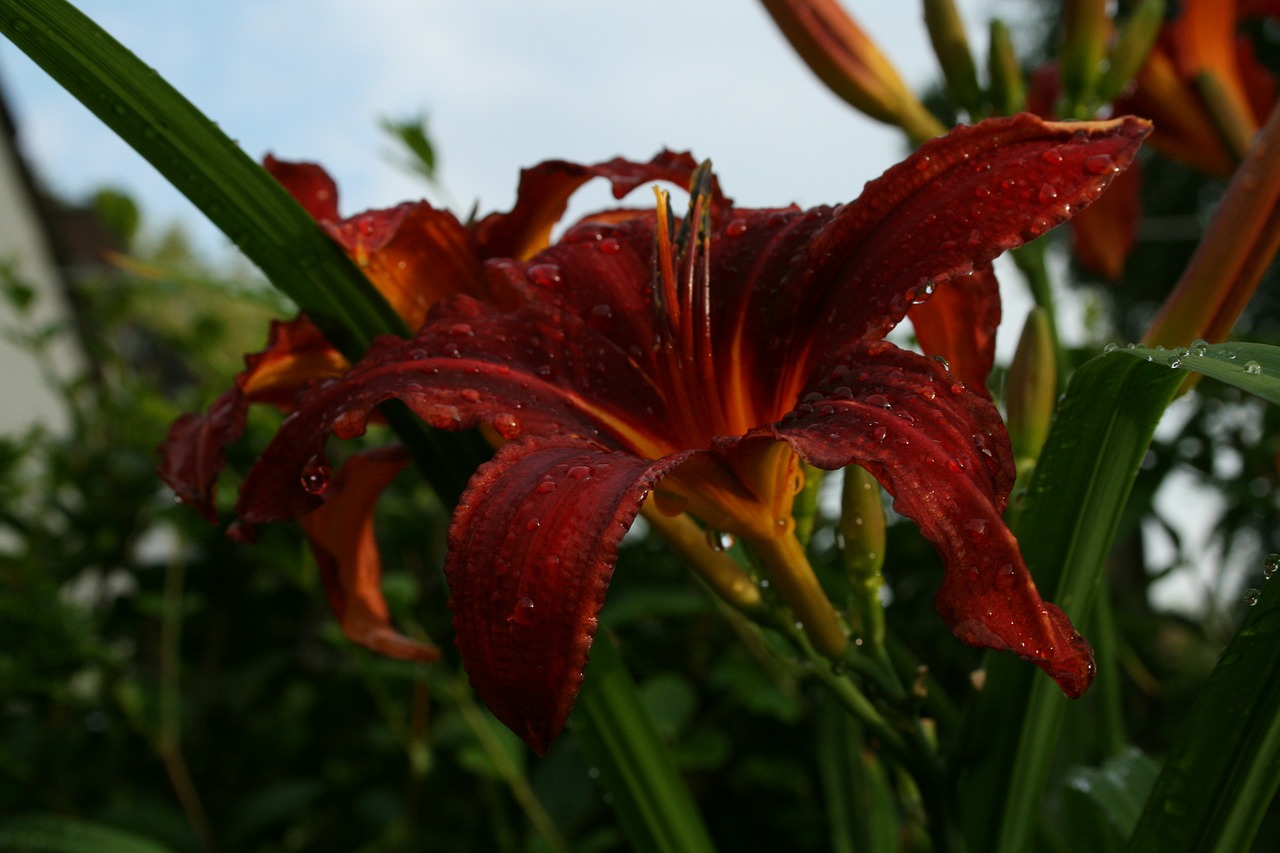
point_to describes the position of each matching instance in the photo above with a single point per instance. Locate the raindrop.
(1199, 346)
(545, 275)
(1270, 566)
(523, 612)
(877, 400)
(609, 246)
(316, 476)
(946, 365)
(1112, 347)
(719, 540)
(1251, 596)
(1175, 361)
(736, 228)
(1099, 164)
(1252, 368)
(546, 487)
(579, 472)
(1048, 193)
(923, 293)
(506, 424)
(1051, 156)
(879, 433)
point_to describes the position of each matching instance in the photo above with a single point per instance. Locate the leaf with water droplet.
(1254, 368)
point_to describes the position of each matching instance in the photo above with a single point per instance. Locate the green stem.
(652, 803)
(482, 727)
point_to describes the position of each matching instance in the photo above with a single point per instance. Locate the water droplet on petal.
(1048, 192)
(545, 275)
(1112, 347)
(1175, 361)
(1099, 164)
(736, 228)
(609, 246)
(546, 487)
(316, 476)
(1252, 368)
(1251, 596)
(579, 472)
(1052, 156)
(522, 614)
(507, 425)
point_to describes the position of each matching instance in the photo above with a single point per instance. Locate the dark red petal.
(415, 255)
(1105, 232)
(531, 550)
(531, 372)
(959, 323)
(545, 189)
(193, 454)
(948, 210)
(944, 456)
(309, 183)
(342, 540)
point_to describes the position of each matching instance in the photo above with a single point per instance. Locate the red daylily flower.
(415, 255)
(698, 362)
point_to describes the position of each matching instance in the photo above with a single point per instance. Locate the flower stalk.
(862, 527)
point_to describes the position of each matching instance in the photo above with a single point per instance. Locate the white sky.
(506, 84)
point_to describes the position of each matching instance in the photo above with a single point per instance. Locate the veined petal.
(532, 548)
(948, 210)
(959, 324)
(342, 540)
(545, 189)
(413, 253)
(534, 371)
(194, 452)
(940, 451)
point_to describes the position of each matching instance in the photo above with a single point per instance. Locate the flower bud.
(951, 46)
(1137, 36)
(862, 526)
(836, 49)
(1031, 388)
(1008, 93)
(1085, 30)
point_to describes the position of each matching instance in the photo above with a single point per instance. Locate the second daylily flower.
(698, 361)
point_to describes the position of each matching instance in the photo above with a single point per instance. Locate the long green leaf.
(57, 834)
(1068, 520)
(1223, 773)
(650, 798)
(1082, 480)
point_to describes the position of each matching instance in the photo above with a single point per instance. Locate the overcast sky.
(506, 84)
